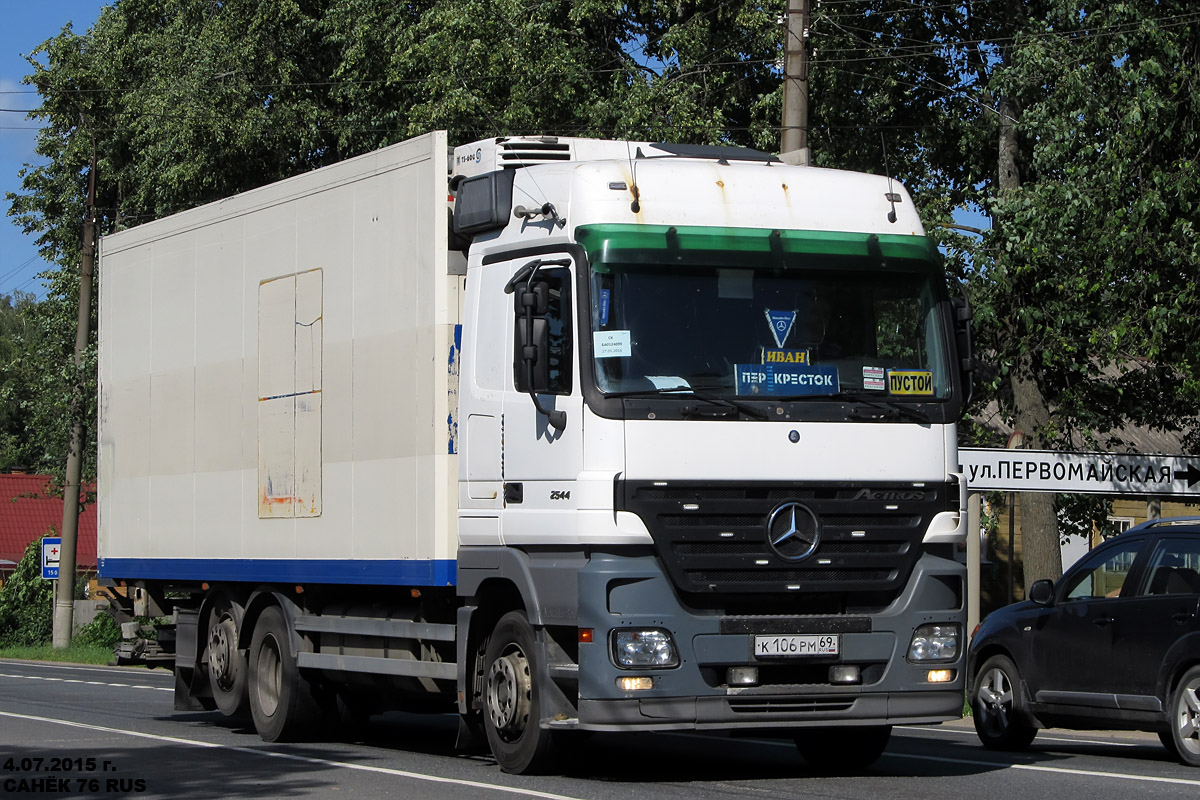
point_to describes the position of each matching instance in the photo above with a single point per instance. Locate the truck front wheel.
(512, 697)
(281, 700)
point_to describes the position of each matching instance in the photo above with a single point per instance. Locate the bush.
(103, 631)
(27, 602)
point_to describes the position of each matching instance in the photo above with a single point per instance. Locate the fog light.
(639, 649)
(845, 673)
(939, 675)
(934, 643)
(630, 684)
(742, 676)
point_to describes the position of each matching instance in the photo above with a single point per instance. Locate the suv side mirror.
(1041, 593)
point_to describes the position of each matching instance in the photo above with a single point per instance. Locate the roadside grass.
(75, 654)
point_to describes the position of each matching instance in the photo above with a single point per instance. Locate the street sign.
(1092, 473)
(51, 549)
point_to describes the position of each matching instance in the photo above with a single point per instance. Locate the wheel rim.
(994, 701)
(509, 693)
(1187, 717)
(220, 653)
(269, 676)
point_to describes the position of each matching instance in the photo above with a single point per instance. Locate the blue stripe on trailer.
(431, 572)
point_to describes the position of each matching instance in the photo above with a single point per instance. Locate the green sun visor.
(635, 244)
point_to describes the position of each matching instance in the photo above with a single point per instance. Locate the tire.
(1168, 741)
(227, 665)
(282, 703)
(512, 698)
(997, 708)
(848, 749)
(1183, 719)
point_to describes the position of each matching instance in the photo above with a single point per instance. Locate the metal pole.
(972, 562)
(1012, 545)
(793, 145)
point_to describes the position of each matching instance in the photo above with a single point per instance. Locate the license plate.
(806, 644)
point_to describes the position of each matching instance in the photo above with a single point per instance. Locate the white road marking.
(1042, 737)
(293, 757)
(91, 683)
(1026, 767)
(79, 668)
(1038, 768)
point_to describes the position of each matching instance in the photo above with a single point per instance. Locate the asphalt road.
(74, 731)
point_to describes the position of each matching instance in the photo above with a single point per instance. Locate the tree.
(1071, 123)
(1089, 295)
(15, 452)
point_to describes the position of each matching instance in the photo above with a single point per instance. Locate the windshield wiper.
(885, 409)
(715, 399)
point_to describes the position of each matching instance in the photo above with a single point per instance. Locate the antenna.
(891, 196)
(636, 205)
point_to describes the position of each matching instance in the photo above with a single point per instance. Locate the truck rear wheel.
(281, 700)
(227, 665)
(512, 698)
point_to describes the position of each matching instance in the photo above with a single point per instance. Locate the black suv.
(1114, 643)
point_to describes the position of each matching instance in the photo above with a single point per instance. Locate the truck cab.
(707, 423)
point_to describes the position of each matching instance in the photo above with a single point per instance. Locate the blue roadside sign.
(51, 550)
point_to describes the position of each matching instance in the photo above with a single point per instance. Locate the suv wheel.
(1183, 717)
(996, 706)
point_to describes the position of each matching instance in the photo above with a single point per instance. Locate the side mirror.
(1041, 593)
(534, 298)
(531, 372)
(531, 351)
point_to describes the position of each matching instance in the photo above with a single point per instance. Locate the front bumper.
(632, 592)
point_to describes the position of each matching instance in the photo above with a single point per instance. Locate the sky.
(26, 24)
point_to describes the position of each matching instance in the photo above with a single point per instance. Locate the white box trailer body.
(277, 374)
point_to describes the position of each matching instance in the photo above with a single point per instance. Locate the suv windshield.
(759, 314)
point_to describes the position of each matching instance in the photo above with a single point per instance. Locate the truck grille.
(712, 538)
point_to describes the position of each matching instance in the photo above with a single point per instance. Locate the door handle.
(1182, 616)
(1102, 622)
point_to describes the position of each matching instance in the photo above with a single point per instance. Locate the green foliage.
(27, 602)
(74, 654)
(1091, 272)
(103, 631)
(16, 449)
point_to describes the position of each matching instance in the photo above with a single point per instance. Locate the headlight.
(934, 643)
(634, 649)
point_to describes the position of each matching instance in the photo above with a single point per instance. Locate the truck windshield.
(759, 314)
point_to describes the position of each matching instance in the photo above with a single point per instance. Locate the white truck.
(560, 434)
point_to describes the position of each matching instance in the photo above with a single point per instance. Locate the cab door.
(542, 427)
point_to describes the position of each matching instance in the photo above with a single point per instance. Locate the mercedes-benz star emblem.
(793, 531)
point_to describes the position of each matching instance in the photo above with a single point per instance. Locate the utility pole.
(793, 145)
(64, 604)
